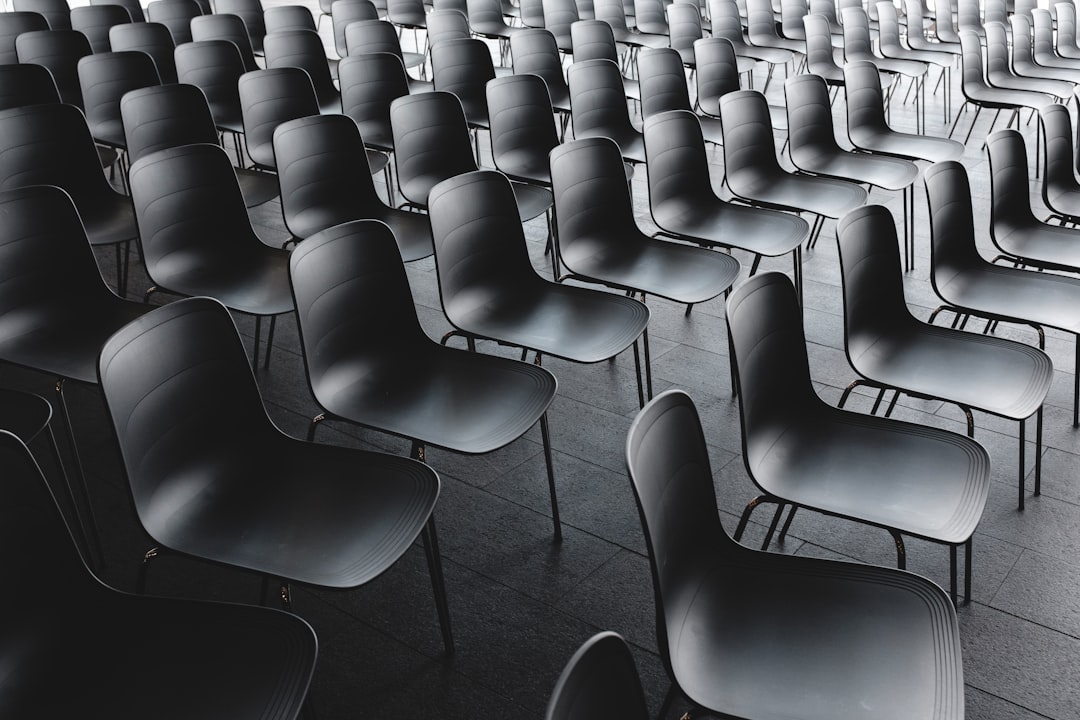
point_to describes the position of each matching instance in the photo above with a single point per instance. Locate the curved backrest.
(463, 67)
(810, 122)
(250, 11)
(532, 12)
(154, 39)
(56, 12)
(819, 50)
(431, 142)
(175, 15)
(944, 28)
(13, 24)
(367, 36)
(649, 17)
(865, 103)
(94, 22)
(485, 14)
(406, 13)
(59, 51)
(995, 11)
(522, 125)
(369, 83)
(662, 80)
(611, 12)
(997, 51)
(446, 25)
(1066, 23)
(535, 51)
(668, 463)
(225, 27)
(889, 30)
(952, 228)
(592, 197)
(1059, 171)
(165, 116)
(827, 9)
(134, 8)
(268, 98)
(337, 272)
(26, 84)
(1021, 37)
(480, 248)
(282, 18)
(857, 42)
(675, 157)
(791, 14)
(559, 15)
(162, 404)
(303, 49)
(725, 21)
(971, 62)
(749, 146)
(597, 98)
(104, 78)
(969, 16)
(1009, 183)
(772, 370)
(1042, 30)
(348, 11)
(593, 40)
(317, 160)
(215, 67)
(600, 680)
(717, 72)
(684, 26)
(761, 23)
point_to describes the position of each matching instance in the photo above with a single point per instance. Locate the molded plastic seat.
(286, 18)
(926, 483)
(26, 84)
(684, 205)
(1001, 71)
(210, 660)
(768, 636)
(226, 27)
(663, 85)
(56, 12)
(215, 67)
(133, 7)
(165, 116)
(1024, 65)
(369, 83)
(791, 14)
(559, 15)
(917, 38)
(13, 24)
(449, 25)
(594, 40)
(175, 15)
(727, 23)
(368, 36)
(320, 169)
(490, 290)
(94, 21)
(380, 370)
(889, 348)
(350, 11)
(304, 49)
(487, 20)
(761, 28)
(154, 39)
(613, 13)
(598, 107)
(463, 68)
(969, 284)
(650, 17)
(59, 51)
(251, 12)
(197, 238)
(684, 21)
(534, 51)
(104, 78)
(523, 131)
(718, 72)
(1065, 39)
(1042, 43)
(820, 59)
(292, 510)
(268, 98)
(1060, 188)
(601, 678)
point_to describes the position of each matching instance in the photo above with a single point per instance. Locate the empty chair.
(1042, 42)
(164, 116)
(175, 15)
(601, 677)
(726, 23)
(594, 40)
(487, 21)
(94, 21)
(718, 72)
(613, 13)
(1024, 65)
(226, 27)
(463, 67)
(133, 7)
(268, 98)
(684, 20)
(368, 36)
(761, 29)
(968, 284)
(13, 24)
(408, 15)
(104, 78)
(304, 49)
(28, 84)
(480, 251)
(369, 83)
(59, 51)
(349, 11)
(188, 204)
(754, 173)
(154, 39)
(1060, 189)
(251, 12)
(283, 18)
(891, 46)
(663, 85)
(820, 59)
(523, 131)
(598, 107)
(396, 379)
(535, 51)
(323, 182)
(683, 204)
(839, 634)
(56, 12)
(1065, 40)
(969, 16)
(650, 17)
(890, 349)
(448, 25)
(108, 635)
(215, 67)
(917, 38)
(1002, 71)
(792, 13)
(314, 514)
(559, 15)
(944, 26)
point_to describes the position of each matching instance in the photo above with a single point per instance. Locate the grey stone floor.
(522, 603)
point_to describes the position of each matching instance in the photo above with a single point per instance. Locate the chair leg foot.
(434, 559)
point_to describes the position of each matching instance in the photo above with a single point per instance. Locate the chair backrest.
(13, 24)
(303, 49)
(281, 18)
(791, 15)
(215, 67)
(998, 63)
(675, 158)
(369, 83)
(268, 98)
(535, 51)
(726, 22)
(1066, 28)
(610, 11)
(26, 84)
(1010, 187)
(367, 36)
(154, 39)
(717, 72)
(133, 7)
(348, 11)
(407, 13)
(317, 159)
(164, 116)
(969, 16)
(94, 22)
(684, 27)
(995, 11)
(1042, 31)
(649, 17)
(593, 40)
(971, 63)
(522, 125)
(889, 30)
(952, 227)
(485, 13)
(592, 197)
(600, 680)
(761, 23)
(827, 9)
(559, 15)
(446, 25)
(1059, 170)
(1025, 7)
(250, 11)
(104, 78)
(225, 27)
(749, 145)
(811, 131)
(662, 80)
(865, 102)
(532, 12)
(857, 41)
(1020, 34)
(59, 51)
(56, 12)
(175, 15)
(819, 50)
(463, 67)
(597, 98)
(944, 27)
(431, 142)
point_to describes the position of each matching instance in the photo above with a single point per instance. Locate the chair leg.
(84, 533)
(787, 523)
(315, 422)
(91, 521)
(967, 571)
(548, 460)
(750, 507)
(434, 559)
(637, 373)
(269, 341)
(1020, 453)
(668, 699)
(901, 552)
(140, 580)
(1038, 450)
(772, 526)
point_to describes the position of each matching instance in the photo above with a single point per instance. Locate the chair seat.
(763, 232)
(631, 143)
(822, 196)
(1049, 300)
(110, 220)
(1040, 244)
(257, 187)
(254, 281)
(888, 173)
(764, 633)
(905, 145)
(532, 201)
(637, 39)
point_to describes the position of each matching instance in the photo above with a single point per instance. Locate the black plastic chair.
(94, 21)
(1060, 188)
(226, 27)
(755, 176)
(1065, 40)
(480, 252)
(321, 172)
(820, 58)
(684, 206)
(970, 285)
(51, 145)
(594, 40)
(890, 45)
(813, 148)
(727, 23)
(369, 83)
(304, 49)
(486, 20)
(133, 7)
(890, 349)
(57, 333)
(599, 680)
(286, 18)
(154, 39)
(1002, 72)
(684, 23)
(29, 84)
(13, 24)
(251, 12)
(662, 79)
(368, 36)
(268, 98)
(450, 25)
(463, 68)
(1042, 42)
(1023, 62)
(598, 107)
(926, 483)
(350, 11)
(188, 205)
(56, 12)
(397, 380)
(534, 51)
(209, 660)
(165, 116)
(287, 509)
(175, 15)
(749, 634)
(215, 67)
(59, 51)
